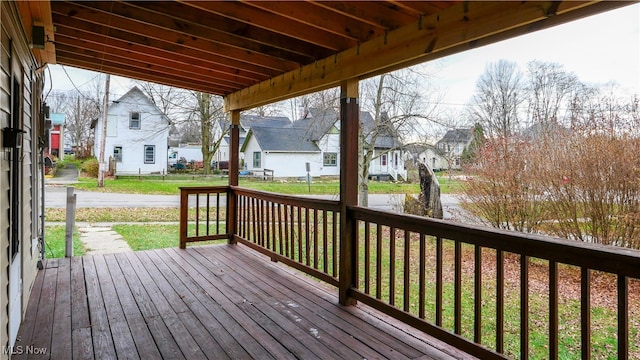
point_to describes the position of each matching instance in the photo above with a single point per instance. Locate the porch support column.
(349, 125)
(234, 169)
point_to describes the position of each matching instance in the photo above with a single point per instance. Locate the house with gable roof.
(315, 139)
(137, 135)
(447, 152)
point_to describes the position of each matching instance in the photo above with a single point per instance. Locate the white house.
(137, 133)
(246, 122)
(447, 152)
(315, 139)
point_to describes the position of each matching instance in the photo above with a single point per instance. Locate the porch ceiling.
(257, 52)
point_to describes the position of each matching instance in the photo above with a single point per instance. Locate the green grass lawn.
(55, 242)
(170, 185)
(153, 236)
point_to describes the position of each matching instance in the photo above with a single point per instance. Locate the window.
(383, 160)
(149, 154)
(457, 161)
(256, 159)
(134, 120)
(330, 159)
(117, 153)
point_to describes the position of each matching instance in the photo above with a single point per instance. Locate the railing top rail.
(201, 189)
(593, 256)
(323, 204)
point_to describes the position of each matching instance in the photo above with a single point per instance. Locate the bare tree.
(548, 88)
(499, 93)
(80, 110)
(399, 106)
(209, 111)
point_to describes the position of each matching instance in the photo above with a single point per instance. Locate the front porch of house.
(205, 302)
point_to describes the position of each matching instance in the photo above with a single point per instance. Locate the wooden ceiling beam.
(67, 25)
(376, 13)
(453, 29)
(97, 11)
(76, 60)
(321, 18)
(81, 40)
(114, 56)
(247, 14)
(178, 16)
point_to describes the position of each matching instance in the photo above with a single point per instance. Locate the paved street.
(56, 195)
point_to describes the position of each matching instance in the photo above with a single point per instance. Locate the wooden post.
(184, 218)
(349, 124)
(234, 170)
(70, 224)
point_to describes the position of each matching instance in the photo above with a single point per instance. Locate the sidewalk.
(102, 239)
(64, 176)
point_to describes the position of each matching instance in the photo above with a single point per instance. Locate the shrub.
(91, 167)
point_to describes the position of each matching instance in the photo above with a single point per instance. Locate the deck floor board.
(205, 302)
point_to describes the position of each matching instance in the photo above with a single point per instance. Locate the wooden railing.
(482, 290)
(455, 281)
(201, 214)
(300, 232)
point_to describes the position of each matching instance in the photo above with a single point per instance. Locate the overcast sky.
(599, 49)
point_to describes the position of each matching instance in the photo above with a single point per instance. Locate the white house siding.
(154, 131)
(434, 160)
(394, 164)
(17, 64)
(329, 143)
(286, 164)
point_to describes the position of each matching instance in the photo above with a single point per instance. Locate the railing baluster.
(407, 269)
(286, 230)
(274, 243)
(292, 228)
(280, 242)
(392, 266)
(261, 218)
(198, 214)
(334, 238)
(421, 276)
(218, 213)
(457, 288)
(553, 310)
(524, 307)
(623, 317)
(379, 261)
(254, 222)
(477, 296)
(208, 212)
(315, 238)
(307, 242)
(367, 256)
(299, 234)
(356, 256)
(499, 301)
(585, 312)
(325, 243)
(439, 281)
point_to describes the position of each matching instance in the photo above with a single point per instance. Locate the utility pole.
(103, 133)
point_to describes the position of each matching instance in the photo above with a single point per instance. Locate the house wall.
(286, 164)
(283, 164)
(433, 160)
(329, 143)
(154, 130)
(18, 64)
(394, 163)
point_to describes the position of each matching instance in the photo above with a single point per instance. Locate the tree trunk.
(429, 192)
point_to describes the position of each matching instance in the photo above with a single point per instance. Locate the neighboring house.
(246, 122)
(314, 139)
(448, 150)
(388, 151)
(137, 135)
(432, 157)
(56, 135)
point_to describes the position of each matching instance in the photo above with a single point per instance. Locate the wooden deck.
(206, 302)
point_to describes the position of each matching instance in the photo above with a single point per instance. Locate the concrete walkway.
(102, 239)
